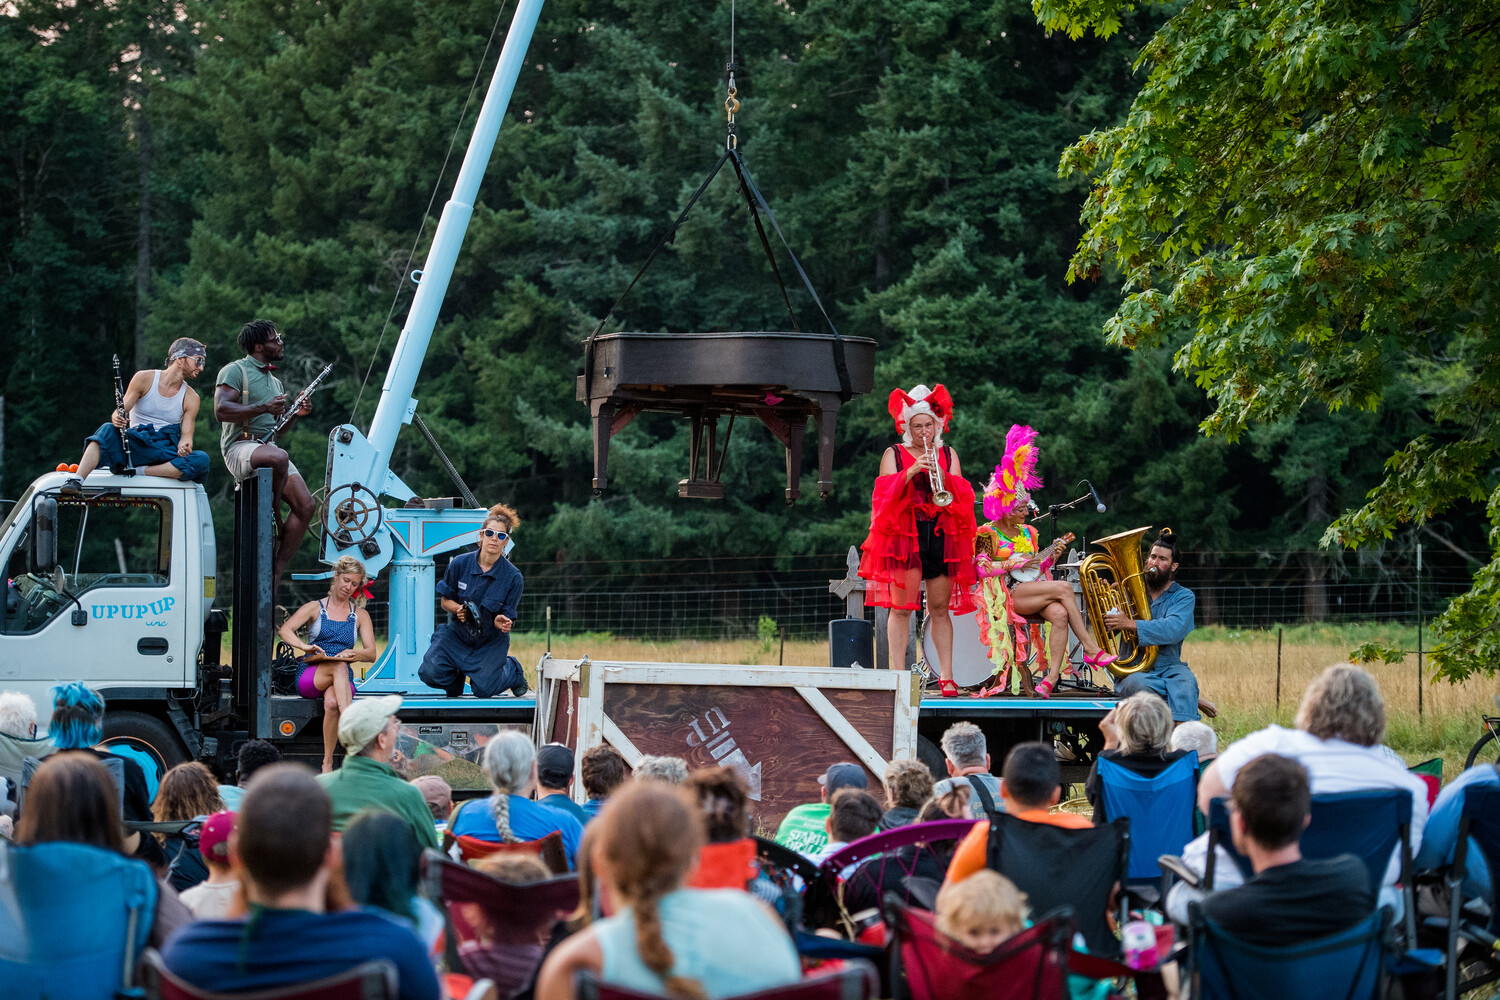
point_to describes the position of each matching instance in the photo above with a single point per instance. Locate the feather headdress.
(1015, 472)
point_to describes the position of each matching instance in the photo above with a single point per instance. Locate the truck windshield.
(102, 542)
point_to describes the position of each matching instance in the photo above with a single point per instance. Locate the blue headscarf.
(77, 717)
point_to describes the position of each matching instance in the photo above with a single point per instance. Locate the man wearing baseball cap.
(805, 828)
(554, 776)
(368, 729)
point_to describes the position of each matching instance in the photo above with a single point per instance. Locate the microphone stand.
(1055, 509)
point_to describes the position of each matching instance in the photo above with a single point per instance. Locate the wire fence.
(725, 599)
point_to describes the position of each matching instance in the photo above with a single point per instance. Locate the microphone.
(1031, 505)
(1098, 504)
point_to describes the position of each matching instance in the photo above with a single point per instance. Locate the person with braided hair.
(509, 816)
(692, 944)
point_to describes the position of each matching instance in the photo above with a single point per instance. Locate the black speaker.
(851, 641)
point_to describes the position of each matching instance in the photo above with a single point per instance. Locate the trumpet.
(940, 496)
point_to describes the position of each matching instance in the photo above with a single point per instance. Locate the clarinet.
(290, 412)
(129, 469)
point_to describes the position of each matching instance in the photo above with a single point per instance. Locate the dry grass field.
(1236, 670)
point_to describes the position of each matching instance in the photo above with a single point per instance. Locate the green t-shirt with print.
(805, 828)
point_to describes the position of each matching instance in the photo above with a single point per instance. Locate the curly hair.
(649, 839)
(186, 791)
(1344, 703)
(908, 784)
(505, 514)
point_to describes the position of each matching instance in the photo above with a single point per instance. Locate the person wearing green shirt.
(368, 729)
(805, 828)
(248, 400)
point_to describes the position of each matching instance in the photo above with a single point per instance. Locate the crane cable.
(432, 199)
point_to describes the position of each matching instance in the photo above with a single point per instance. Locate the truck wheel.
(146, 740)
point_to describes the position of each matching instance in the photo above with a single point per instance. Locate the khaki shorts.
(237, 460)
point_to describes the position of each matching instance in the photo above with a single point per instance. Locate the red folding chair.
(507, 948)
(929, 965)
(549, 848)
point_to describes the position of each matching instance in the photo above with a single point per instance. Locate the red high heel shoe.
(947, 688)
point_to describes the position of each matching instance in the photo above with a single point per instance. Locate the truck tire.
(145, 739)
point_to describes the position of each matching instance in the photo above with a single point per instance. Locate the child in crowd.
(218, 896)
(982, 911)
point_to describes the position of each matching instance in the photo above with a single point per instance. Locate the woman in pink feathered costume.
(1026, 568)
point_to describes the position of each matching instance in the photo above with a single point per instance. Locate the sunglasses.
(492, 533)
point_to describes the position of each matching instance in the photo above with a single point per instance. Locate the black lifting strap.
(846, 390)
(753, 198)
(588, 345)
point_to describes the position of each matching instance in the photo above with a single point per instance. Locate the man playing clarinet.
(156, 418)
(248, 399)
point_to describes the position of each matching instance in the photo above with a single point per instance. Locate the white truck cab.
(113, 586)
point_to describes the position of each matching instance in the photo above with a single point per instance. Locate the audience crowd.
(281, 876)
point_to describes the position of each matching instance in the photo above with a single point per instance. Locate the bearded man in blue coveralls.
(1171, 620)
(488, 581)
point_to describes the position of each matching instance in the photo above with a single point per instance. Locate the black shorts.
(930, 548)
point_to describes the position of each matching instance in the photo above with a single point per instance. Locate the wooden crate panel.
(771, 734)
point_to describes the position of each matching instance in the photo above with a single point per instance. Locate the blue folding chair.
(1371, 825)
(71, 914)
(1348, 965)
(1480, 936)
(1160, 810)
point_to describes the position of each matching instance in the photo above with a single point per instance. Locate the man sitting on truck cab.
(157, 416)
(248, 400)
(487, 582)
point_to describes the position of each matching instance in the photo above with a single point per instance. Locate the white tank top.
(156, 409)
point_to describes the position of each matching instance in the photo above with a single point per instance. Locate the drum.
(971, 661)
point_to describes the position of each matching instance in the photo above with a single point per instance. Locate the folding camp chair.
(1160, 810)
(1371, 825)
(509, 946)
(375, 980)
(549, 848)
(1348, 965)
(1058, 867)
(855, 981)
(887, 861)
(1479, 938)
(928, 965)
(71, 914)
(790, 872)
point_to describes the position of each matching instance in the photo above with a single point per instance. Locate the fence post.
(1420, 623)
(1278, 671)
(549, 628)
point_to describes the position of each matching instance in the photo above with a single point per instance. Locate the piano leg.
(604, 418)
(828, 419)
(796, 427)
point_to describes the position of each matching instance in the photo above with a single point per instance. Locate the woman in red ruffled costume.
(912, 538)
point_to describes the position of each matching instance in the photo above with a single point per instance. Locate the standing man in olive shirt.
(248, 400)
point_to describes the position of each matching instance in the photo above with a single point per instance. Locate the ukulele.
(1033, 572)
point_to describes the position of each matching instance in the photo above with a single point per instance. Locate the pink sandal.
(1101, 659)
(1044, 688)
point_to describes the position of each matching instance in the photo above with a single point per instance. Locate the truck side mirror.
(43, 535)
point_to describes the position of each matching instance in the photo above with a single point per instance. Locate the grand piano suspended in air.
(779, 378)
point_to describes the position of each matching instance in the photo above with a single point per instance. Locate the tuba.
(1114, 579)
